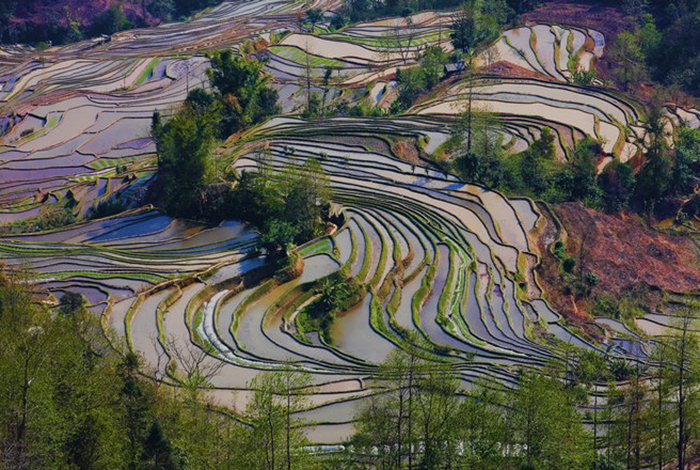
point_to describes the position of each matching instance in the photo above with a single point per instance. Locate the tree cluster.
(481, 21)
(187, 170)
(70, 400)
(337, 293)
(636, 416)
(414, 81)
(662, 45)
(289, 207)
(663, 186)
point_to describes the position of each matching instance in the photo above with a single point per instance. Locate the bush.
(53, 218)
(568, 264)
(107, 208)
(584, 77)
(109, 22)
(337, 294)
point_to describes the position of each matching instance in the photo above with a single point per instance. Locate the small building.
(455, 67)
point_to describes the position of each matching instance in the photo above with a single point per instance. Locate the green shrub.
(107, 208)
(568, 264)
(53, 218)
(338, 293)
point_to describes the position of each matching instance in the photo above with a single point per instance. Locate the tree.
(242, 88)
(158, 450)
(584, 172)
(626, 51)
(411, 82)
(390, 421)
(535, 164)
(636, 8)
(660, 413)
(618, 185)
(591, 370)
(136, 401)
(485, 427)
(110, 21)
(26, 346)
(313, 16)
(466, 26)
(480, 158)
(277, 237)
(404, 36)
(306, 195)
(432, 61)
(287, 207)
(685, 163)
(192, 367)
(184, 145)
(654, 177)
(438, 416)
(633, 430)
(276, 397)
(547, 426)
(683, 380)
(163, 9)
(71, 302)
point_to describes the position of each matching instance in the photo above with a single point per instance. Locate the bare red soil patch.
(405, 149)
(506, 69)
(608, 20)
(626, 255)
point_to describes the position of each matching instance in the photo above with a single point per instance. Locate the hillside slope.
(60, 21)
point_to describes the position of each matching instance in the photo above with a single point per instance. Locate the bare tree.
(491, 56)
(683, 348)
(407, 33)
(386, 45)
(198, 367)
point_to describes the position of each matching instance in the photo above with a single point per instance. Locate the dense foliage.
(414, 81)
(336, 294)
(69, 400)
(49, 219)
(663, 186)
(241, 90)
(187, 169)
(662, 45)
(290, 207)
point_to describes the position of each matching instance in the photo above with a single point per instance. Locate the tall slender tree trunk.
(289, 427)
(410, 414)
(681, 398)
(22, 424)
(470, 113)
(595, 423)
(399, 425)
(660, 416)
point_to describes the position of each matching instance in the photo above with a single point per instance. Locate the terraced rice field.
(446, 262)
(77, 118)
(442, 260)
(528, 105)
(549, 50)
